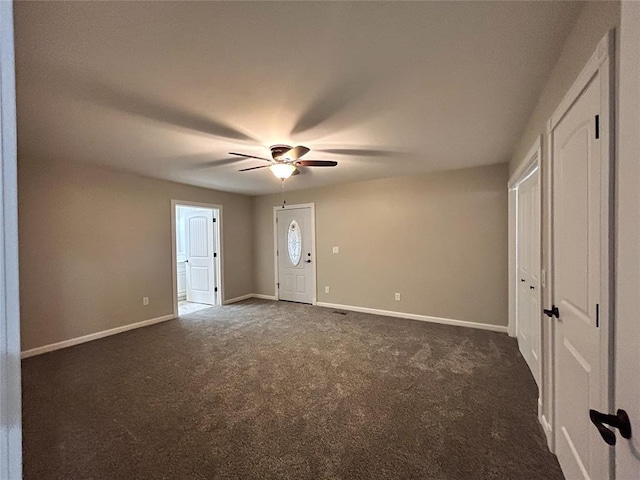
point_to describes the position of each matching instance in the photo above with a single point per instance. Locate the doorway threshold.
(185, 308)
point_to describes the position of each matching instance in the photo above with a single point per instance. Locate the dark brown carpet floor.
(274, 390)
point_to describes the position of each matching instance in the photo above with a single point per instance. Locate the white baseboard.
(548, 431)
(264, 297)
(238, 299)
(93, 336)
(249, 295)
(413, 316)
(164, 318)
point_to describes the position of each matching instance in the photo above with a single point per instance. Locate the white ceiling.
(386, 89)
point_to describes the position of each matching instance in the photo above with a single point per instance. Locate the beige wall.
(595, 20)
(439, 239)
(93, 242)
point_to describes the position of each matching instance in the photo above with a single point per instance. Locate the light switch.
(336, 249)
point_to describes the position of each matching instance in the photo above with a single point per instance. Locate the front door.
(200, 245)
(296, 270)
(580, 217)
(528, 259)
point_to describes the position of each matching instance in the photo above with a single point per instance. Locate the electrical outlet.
(326, 289)
(145, 301)
(336, 249)
(397, 297)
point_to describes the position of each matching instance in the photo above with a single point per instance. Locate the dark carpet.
(274, 390)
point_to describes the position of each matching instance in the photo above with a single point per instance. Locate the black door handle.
(531, 287)
(554, 312)
(522, 279)
(307, 261)
(620, 421)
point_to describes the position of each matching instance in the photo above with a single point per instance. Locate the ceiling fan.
(286, 160)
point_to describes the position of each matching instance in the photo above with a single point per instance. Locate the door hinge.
(278, 285)
(215, 254)
(215, 289)
(276, 219)
(597, 315)
(597, 127)
(214, 219)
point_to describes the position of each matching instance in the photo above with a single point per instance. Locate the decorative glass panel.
(294, 242)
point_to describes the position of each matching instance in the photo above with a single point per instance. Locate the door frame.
(601, 61)
(10, 380)
(219, 265)
(312, 206)
(532, 161)
(627, 324)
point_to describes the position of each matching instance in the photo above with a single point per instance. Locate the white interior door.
(579, 192)
(296, 270)
(627, 339)
(200, 251)
(528, 311)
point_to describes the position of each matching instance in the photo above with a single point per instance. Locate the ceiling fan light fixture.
(282, 170)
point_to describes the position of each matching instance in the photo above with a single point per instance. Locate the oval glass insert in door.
(294, 242)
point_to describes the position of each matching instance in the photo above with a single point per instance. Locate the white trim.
(264, 297)
(229, 301)
(549, 333)
(548, 431)
(10, 393)
(600, 56)
(512, 250)
(414, 316)
(248, 296)
(94, 336)
(217, 214)
(312, 206)
(599, 63)
(527, 164)
(531, 162)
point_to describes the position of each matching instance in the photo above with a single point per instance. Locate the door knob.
(186, 261)
(620, 421)
(554, 312)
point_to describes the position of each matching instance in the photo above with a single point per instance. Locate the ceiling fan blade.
(296, 152)
(254, 168)
(249, 156)
(295, 172)
(316, 163)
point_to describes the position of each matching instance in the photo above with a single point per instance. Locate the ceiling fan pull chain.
(283, 200)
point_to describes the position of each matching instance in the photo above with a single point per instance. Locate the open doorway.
(196, 250)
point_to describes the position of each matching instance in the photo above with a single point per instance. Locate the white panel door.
(528, 312)
(577, 291)
(295, 255)
(200, 242)
(627, 339)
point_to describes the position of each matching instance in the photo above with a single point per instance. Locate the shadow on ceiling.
(95, 91)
